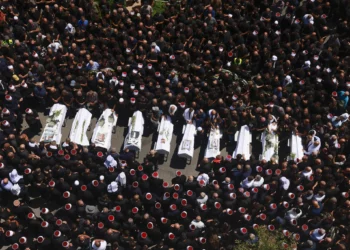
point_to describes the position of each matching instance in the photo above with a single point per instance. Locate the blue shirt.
(39, 92)
(344, 98)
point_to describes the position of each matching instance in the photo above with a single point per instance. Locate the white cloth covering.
(269, 139)
(79, 127)
(296, 148)
(165, 134)
(213, 147)
(243, 142)
(186, 147)
(102, 135)
(53, 127)
(133, 140)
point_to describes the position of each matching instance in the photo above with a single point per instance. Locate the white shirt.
(247, 184)
(7, 186)
(102, 246)
(198, 224)
(316, 236)
(258, 183)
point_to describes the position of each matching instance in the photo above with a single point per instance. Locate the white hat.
(274, 58)
(121, 100)
(199, 129)
(308, 63)
(10, 67)
(102, 177)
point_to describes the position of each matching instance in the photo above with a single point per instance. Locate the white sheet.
(79, 127)
(186, 147)
(243, 142)
(102, 135)
(53, 127)
(133, 140)
(165, 134)
(296, 148)
(269, 140)
(213, 147)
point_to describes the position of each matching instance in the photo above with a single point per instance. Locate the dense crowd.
(248, 62)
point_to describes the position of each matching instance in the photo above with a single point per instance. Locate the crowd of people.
(248, 62)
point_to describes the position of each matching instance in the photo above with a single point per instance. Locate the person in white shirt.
(248, 182)
(198, 223)
(258, 181)
(317, 234)
(98, 244)
(293, 214)
(313, 144)
(6, 184)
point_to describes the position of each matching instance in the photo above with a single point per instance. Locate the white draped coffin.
(102, 135)
(79, 127)
(243, 142)
(269, 140)
(133, 139)
(186, 147)
(213, 147)
(53, 127)
(165, 134)
(296, 148)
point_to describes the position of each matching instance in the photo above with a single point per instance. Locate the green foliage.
(268, 241)
(158, 7)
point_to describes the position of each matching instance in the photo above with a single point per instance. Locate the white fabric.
(174, 111)
(14, 176)
(16, 189)
(259, 183)
(270, 136)
(296, 148)
(311, 146)
(213, 147)
(165, 134)
(110, 162)
(79, 127)
(316, 236)
(103, 245)
(188, 115)
(186, 147)
(102, 135)
(133, 140)
(53, 127)
(203, 177)
(243, 142)
(285, 183)
(198, 224)
(113, 187)
(7, 186)
(247, 184)
(292, 215)
(306, 174)
(343, 118)
(121, 178)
